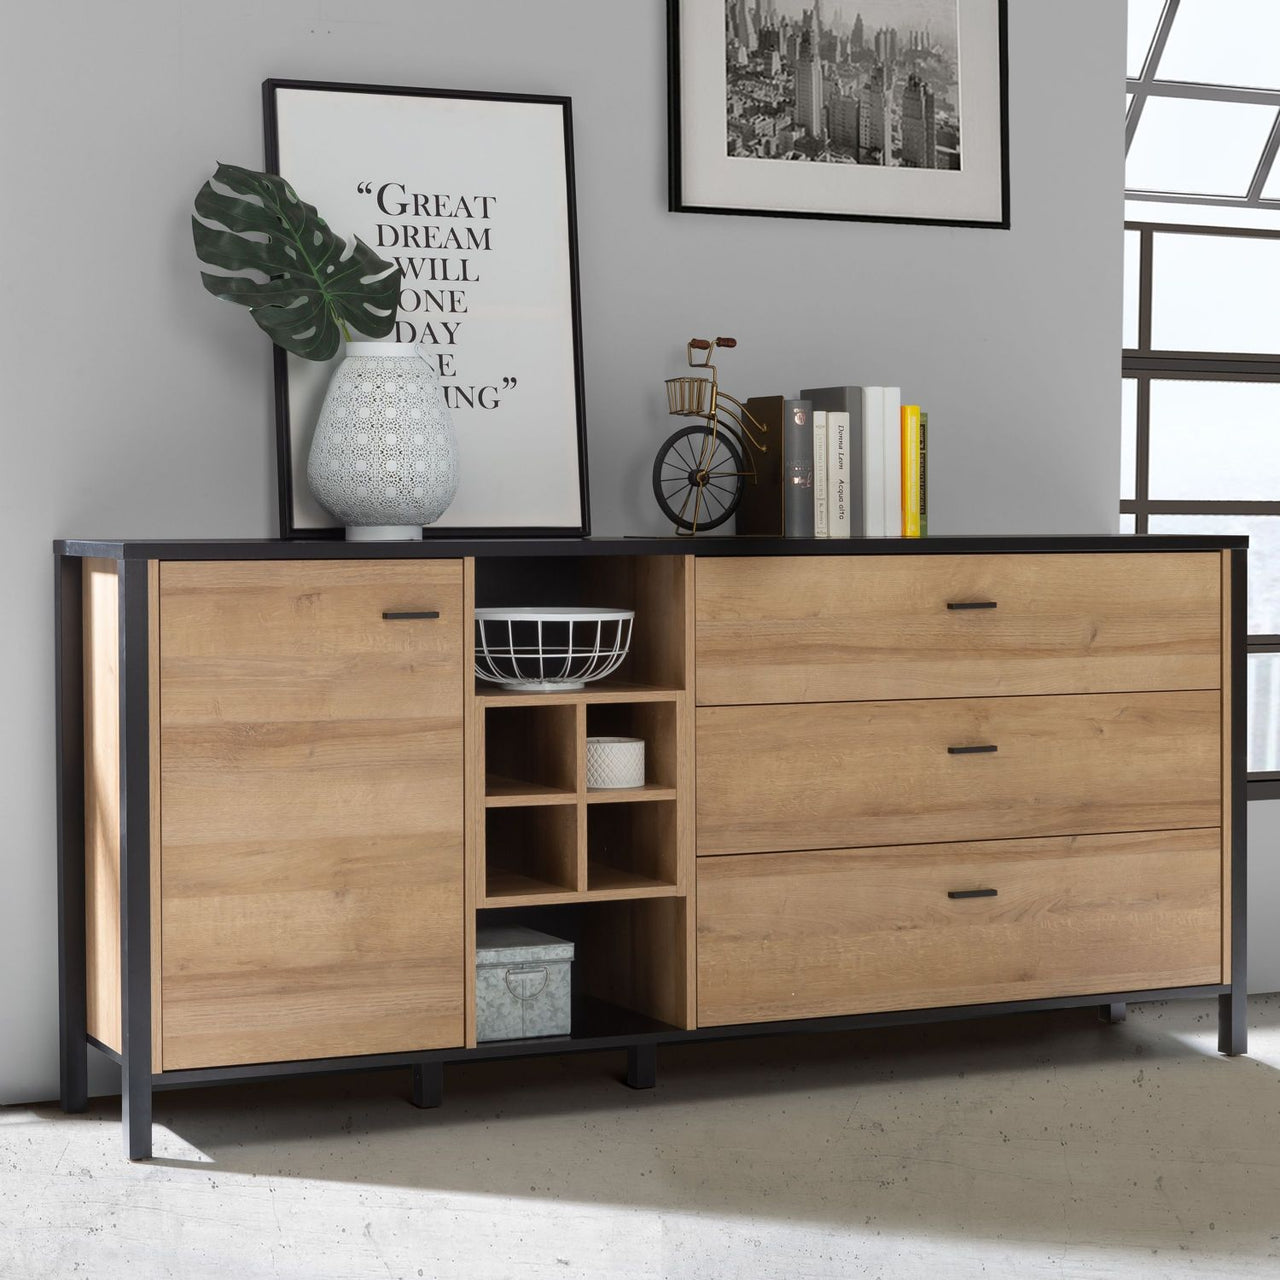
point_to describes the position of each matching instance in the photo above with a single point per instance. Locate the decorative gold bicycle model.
(699, 471)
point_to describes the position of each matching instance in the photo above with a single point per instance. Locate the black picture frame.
(679, 203)
(285, 429)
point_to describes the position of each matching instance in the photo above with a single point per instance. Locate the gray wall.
(137, 405)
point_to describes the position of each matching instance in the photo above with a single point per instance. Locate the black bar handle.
(971, 604)
(972, 893)
(985, 749)
(404, 615)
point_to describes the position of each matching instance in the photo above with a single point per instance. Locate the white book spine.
(821, 522)
(893, 461)
(873, 461)
(838, 475)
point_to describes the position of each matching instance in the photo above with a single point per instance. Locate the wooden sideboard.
(888, 781)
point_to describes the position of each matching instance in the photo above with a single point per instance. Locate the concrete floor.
(1024, 1147)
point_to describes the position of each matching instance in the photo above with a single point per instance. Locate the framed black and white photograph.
(874, 110)
(472, 196)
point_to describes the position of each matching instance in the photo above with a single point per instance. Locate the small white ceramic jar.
(614, 763)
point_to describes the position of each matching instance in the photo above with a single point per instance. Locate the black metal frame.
(676, 203)
(606, 1028)
(284, 438)
(1143, 365)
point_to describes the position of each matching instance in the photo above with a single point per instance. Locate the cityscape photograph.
(867, 82)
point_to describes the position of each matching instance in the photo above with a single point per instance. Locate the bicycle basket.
(689, 397)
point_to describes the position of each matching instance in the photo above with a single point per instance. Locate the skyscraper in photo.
(858, 41)
(919, 126)
(809, 81)
(875, 124)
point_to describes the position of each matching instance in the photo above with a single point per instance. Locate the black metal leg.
(642, 1065)
(1113, 1013)
(1233, 1029)
(428, 1084)
(135, 861)
(73, 1048)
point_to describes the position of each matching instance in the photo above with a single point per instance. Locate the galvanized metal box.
(522, 983)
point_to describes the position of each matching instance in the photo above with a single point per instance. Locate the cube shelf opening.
(632, 846)
(530, 755)
(655, 724)
(530, 851)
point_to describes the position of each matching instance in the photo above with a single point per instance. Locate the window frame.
(1142, 365)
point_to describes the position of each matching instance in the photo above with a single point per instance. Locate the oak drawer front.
(311, 809)
(812, 935)
(828, 628)
(840, 774)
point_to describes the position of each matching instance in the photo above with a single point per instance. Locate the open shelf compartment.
(530, 852)
(655, 723)
(632, 847)
(631, 966)
(532, 755)
(657, 588)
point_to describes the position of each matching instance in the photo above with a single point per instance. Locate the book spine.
(797, 470)
(892, 430)
(873, 462)
(839, 498)
(821, 523)
(924, 474)
(910, 470)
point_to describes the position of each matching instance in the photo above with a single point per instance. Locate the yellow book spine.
(910, 470)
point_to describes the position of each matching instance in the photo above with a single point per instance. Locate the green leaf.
(315, 282)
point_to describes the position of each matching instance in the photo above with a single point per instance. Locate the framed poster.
(879, 111)
(472, 195)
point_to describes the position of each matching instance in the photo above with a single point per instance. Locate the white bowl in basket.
(540, 650)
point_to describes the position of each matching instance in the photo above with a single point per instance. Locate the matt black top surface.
(445, 548)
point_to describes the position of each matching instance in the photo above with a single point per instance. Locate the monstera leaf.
(316, 282)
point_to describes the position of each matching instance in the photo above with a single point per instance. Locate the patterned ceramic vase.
(384, 459)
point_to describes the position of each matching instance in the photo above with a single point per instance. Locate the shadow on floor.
(1041, 1127)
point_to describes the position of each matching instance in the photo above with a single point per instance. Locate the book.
(760, 509)
(873, 501)
(846, 400)
(821, 523)
(924, 474)
(910, 434)
(797, 469)
(839, 479)
(891, 433)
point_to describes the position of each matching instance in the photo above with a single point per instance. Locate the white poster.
(471, 196)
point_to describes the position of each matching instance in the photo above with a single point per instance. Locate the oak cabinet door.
(311, 809)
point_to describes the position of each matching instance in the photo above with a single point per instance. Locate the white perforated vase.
(384, 459)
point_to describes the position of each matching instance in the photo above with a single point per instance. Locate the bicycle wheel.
(697, 492)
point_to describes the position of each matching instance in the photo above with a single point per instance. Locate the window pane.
(1215, 293)
(1215, 441)
(1127, 523)
(1143, 16)
(1264, 559)
(1190, 146)
(1213, 42)
(1128, 436)
(1132, 251)
(1264, 712)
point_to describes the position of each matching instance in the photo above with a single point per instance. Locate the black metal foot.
(642, 1066)
(136, 1114)
(1113, 1013)
(1233, 1029)
(428, 1084)
(73, 1087)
